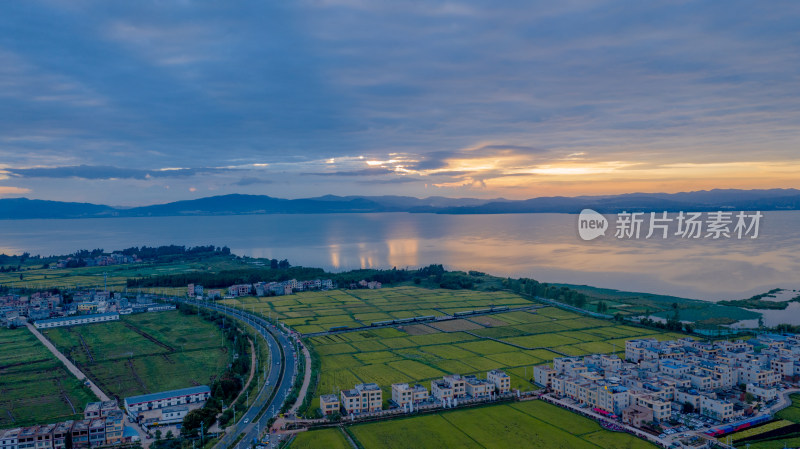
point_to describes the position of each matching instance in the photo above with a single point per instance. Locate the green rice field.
(35, 388)
(530, 424)
(145, 353)
(418, 353)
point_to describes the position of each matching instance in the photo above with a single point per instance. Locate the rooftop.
(75, 317)
(174, 409)
(167, 394)
(350, 393)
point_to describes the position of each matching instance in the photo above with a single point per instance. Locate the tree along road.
(273, 394)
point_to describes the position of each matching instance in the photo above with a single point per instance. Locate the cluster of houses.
(99, 261)
(15, 309)
(259, 289)
(365, 398)
(87, 306)
(365, 284)
(103, 425)
(723, 381)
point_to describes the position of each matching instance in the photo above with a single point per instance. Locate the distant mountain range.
(705, 200)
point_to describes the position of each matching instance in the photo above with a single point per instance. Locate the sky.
(132, 103)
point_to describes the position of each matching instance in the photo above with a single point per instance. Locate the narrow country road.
(306, 383)
(70, 366)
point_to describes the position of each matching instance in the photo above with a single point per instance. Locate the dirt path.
(70, 366)
(306, 383)
(252, 370)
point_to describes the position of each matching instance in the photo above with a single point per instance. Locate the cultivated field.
(321, 439)
(35, 388)
(791, 413)
(524, 424)
(513, 341)
(145, 353)
(319, 311)
(116, 275)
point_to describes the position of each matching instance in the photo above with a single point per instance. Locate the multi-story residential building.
(329, 404)
(60, 434)
(756, 375)
(351, 402)
(27, 437)
(478, 388)
(661, 409)
(97, 432)
(44, 436)
(458, 384)
(613, 399)
(363, 398)
(10, 438)
(688, 397)
(80, 434)
(762, 392)
(239, 290)
(500, 380)
(88, 307)
(441, 390)
(403, 394)
(371, 397)
(640, 349)
(115, 427)
(783, 366)
(543, 375)
(718, 409)
(99, 409)
(673, 368)
(637, 416)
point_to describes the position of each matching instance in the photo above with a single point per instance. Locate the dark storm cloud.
(364, 172)
(107, 90)
(108, 172)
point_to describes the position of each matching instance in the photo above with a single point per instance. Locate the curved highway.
(282, 372)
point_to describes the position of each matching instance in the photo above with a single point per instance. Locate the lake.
(545, 247)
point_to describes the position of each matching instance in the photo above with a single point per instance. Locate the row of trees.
(671, 324)
(226, 278)
(227, 386)
(282, 271)
(156, 252)
(535, 288)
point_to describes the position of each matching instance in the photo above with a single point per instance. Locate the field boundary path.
(252, 371)
(516, 345)
(348, 438)
(598, 418)
(445, 317)
(306, 382)
(70, 366)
